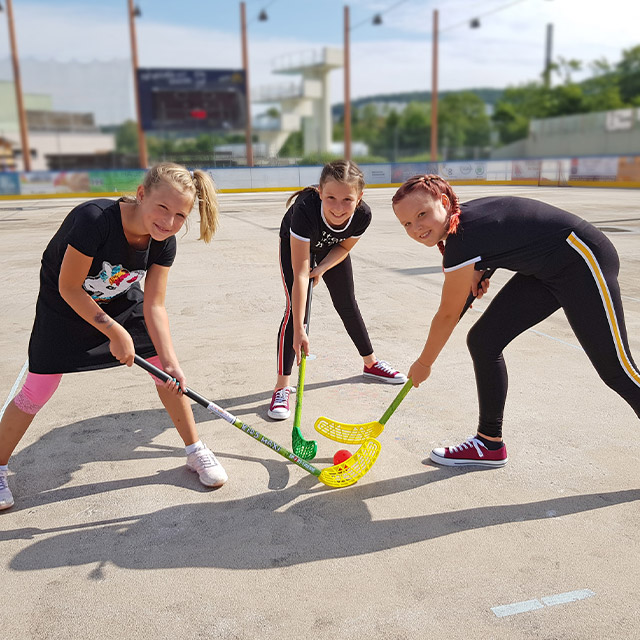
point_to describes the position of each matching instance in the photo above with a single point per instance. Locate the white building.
(51, 133)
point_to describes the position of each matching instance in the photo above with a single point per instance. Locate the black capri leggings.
(339, 281)
(582, 279)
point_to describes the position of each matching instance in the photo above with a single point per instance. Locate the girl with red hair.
(559, 260)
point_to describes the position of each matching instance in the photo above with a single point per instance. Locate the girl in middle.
(320, 228)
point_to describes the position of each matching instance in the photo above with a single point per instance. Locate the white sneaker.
(279, 408)
(6, 497)
(206, 465)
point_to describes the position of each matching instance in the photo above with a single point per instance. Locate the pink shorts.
(38, 389)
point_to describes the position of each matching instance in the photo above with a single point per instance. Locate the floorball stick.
(305, 449)
(357, 433)
(342, 475)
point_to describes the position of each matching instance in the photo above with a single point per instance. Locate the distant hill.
(489, 96)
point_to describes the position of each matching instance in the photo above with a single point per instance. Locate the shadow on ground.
(300, 523)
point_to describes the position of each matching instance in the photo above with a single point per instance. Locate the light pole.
(245, 65)
(434, 90)
(134, 12)
(347, 87)
(377, 20)
(547, 58)
(17, 83)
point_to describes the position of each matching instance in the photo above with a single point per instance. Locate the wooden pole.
(347, 87)
(434, 90)
(245, 65)
(17, 83)
(142, 143)
(548, 56)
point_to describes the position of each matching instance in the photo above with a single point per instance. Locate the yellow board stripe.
(601, 283)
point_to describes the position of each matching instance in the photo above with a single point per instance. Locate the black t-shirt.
(61, 341)
(514, 233)
(305, 220)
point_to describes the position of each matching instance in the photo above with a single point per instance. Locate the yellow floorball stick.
(356, 433)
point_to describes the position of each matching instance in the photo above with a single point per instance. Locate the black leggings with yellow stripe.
(581, 277)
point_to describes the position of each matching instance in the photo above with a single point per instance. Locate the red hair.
(435, 186)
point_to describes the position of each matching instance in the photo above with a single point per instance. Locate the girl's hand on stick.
(418, 373)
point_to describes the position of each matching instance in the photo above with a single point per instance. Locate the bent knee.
(36, 392)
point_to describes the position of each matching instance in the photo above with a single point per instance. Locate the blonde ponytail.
(207, 204)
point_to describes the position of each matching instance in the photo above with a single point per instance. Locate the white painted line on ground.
(570, 596)
(546, 335)
(15, 387)
(531, 605)
(517, 607)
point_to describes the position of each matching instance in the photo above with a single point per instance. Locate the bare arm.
(455, 290)
(300, 265)
(336, 255)
(73, 272)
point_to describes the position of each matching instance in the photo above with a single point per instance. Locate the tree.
(629, 75)
(293, 146)
(510, 124)
(127, 138)
(463, 122)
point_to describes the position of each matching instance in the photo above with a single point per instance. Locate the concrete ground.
(112, 538)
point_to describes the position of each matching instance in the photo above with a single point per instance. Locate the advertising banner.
(594, 169)
(125, 181)
(405, 170)
(629, 169)
(525, 170)
(9, 184)
(46, 182)
(463, 170)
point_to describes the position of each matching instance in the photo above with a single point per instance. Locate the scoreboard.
(192, 99)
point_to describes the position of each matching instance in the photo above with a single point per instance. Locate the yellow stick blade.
(352, 469)
(348, 433)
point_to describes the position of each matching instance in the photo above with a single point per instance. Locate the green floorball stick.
(342, 475)
(305, 449)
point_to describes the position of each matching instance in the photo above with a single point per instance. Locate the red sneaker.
(279, 407)
(471, 452)
(384, 372)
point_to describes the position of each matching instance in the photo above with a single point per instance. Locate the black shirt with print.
(61, 341)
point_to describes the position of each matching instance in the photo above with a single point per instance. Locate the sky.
(506, 50)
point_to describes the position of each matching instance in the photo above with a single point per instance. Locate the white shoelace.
(282, 396)
(467, 444)
(3, 482)
(206, 459)
(385, 366)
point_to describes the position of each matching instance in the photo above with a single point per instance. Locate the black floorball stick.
(342, 475)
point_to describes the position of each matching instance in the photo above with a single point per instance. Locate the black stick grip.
(160, 374)
(485, 276)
